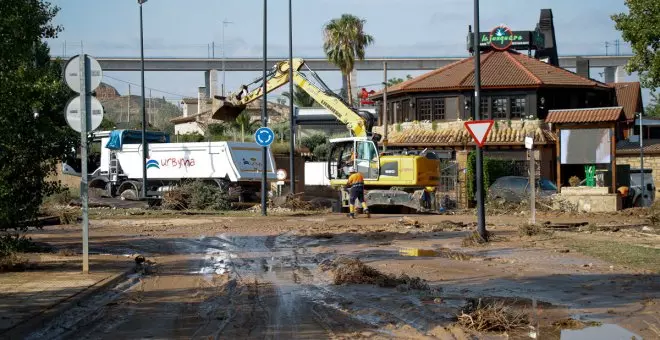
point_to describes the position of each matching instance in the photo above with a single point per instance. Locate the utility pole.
(128, 116)
(481, 216)
(150, 116)
(292, 123)
(213, 49)
(224, 24)
(144, 113)
(384, 114)
(607, 47)
(264, 112)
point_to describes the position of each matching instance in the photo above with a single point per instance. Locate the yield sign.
(479, 129)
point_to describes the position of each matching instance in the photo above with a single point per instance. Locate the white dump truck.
(234, 166)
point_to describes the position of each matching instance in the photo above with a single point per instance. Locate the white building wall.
(315, 173)
(185, 128)
(189, 109)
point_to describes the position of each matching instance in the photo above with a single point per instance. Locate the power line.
(150, 88)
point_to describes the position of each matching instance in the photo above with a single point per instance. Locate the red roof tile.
(590, 115)
(625, 147)
(629, 95)
(499, 69)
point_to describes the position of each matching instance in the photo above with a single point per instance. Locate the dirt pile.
(494, 317)
(353, 271)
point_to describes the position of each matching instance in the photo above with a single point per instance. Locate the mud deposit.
(256, 278)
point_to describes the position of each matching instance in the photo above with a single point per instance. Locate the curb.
(47, 314)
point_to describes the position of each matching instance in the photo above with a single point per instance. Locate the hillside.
(158, 110)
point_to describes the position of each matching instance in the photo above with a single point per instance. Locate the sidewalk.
(54, 283)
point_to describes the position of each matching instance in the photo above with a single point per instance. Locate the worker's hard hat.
(430, 189)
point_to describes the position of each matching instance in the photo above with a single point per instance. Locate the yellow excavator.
(395, 181)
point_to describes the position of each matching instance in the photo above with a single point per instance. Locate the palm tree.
(344, 41)
(244, 123)
(301, 98)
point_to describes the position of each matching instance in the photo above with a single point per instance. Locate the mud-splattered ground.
(259, 277)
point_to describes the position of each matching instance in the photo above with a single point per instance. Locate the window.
(404, 111)
(499, 108)
(424, 109)
(439, 109)
(518, 105)
(485, 113)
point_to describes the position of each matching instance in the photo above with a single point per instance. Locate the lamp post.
(224, 24)
(264, 113)
(292, 123)
(144, 113)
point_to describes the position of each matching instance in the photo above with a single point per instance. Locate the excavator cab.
(358, 152)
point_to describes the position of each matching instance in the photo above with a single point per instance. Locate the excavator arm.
(359, 123)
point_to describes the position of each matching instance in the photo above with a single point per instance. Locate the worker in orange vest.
(356, 184)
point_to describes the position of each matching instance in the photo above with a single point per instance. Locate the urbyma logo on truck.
(152, 163)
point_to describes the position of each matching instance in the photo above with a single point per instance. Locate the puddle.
(603, 332)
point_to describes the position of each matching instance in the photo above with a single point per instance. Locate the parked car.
(516, 188)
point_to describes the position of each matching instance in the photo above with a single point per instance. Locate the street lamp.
(224, 24)
(292, 122)
(144, 114)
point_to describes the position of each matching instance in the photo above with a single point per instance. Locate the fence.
(448, 191)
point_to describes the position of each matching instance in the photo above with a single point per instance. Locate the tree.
(394, 81)
(31, 144)
(344, 41)
(653, 109)
(244, 124)
(641, 28)
(301, 98)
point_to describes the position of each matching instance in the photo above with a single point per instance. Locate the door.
(366, 160)
(340, 160)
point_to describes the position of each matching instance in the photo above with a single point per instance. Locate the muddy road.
(264, 278)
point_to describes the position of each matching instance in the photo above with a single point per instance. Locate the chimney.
(201, 99)
(582, 67)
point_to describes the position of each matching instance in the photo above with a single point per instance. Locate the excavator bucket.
(224, 109)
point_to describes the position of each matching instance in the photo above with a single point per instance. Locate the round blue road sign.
(264, 136)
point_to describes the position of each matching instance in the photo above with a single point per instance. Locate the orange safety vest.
(355, 178)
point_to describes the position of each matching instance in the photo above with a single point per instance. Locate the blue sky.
(400, 28)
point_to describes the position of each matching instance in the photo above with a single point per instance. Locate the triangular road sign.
(479, 129)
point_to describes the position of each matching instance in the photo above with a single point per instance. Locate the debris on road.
(407, 221)
(493, 317)
(570, 323)
(348, 270)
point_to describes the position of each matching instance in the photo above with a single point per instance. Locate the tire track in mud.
(286, 312)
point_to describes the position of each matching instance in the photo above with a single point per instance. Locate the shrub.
(311, 142)
(189, 137)
(321, 152)
(197, 195)
(14, 243)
